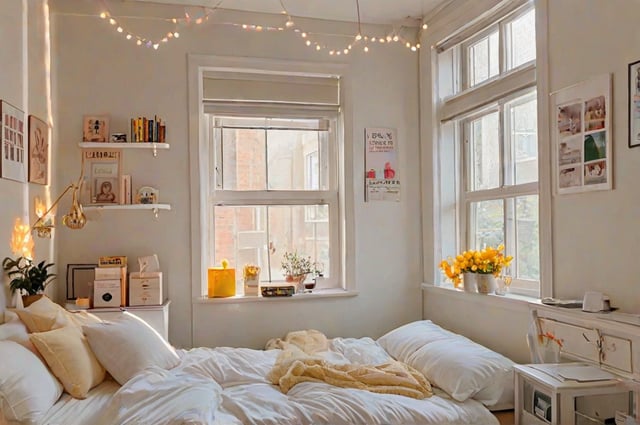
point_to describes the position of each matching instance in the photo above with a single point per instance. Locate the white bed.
(231, 386)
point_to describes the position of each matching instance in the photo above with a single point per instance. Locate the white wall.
(595, 234)
(97, 71)
(23, 82)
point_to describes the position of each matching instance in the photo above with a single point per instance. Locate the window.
(273, 171)
(488, 144)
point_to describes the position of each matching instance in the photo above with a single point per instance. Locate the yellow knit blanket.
(294, 365)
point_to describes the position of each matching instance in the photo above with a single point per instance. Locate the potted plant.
(26, 276)
(477, 270)
(296, 267)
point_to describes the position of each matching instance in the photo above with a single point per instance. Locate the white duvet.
(229, 386)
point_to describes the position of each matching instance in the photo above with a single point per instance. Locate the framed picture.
(38, 151)
(80, 279)
(104, 171)
(582, 155)
(95, 128)
(14, 144)
(634, 104)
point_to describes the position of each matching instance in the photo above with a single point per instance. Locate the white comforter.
(229, 386)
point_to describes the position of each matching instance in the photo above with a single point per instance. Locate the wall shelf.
(128, 145)
(153, 207)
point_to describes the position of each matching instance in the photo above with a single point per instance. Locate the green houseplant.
(26, 276)
(296, 267)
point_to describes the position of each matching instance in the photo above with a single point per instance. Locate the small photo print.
(595, 172)
(570, 151)
(569, 119)
(595, 146)
(594, 114)
(95, 128)
(570, 177)
(105, 190)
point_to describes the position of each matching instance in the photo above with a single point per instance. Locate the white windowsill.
(315, 295)
(508, 301)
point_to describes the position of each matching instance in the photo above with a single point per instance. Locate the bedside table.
(157, 316)
(543, 396)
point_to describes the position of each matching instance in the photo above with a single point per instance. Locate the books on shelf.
(147, 130)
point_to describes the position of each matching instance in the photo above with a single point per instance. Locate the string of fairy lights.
(310, 39)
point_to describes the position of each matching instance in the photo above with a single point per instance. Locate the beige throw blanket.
(296, 363)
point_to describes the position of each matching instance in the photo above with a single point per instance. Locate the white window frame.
(199, 157)
(466, 100)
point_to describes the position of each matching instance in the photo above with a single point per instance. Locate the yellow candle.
(221, 281)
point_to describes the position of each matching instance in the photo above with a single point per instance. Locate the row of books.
(147, 130)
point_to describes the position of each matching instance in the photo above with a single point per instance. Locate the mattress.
(71, 411)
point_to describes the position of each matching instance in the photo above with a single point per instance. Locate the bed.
(71, 374)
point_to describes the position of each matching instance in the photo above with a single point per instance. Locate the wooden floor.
(506, 417)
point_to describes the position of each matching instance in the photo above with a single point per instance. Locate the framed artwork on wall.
(634, 104)
(103, 166)
(14, 144)
(38, 151)
(95, 128)
(582, 148)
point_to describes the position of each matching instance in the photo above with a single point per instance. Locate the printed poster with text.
(382, 182)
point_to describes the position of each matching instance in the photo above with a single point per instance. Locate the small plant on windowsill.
(28, 278)
(297, 267)
(486, 261)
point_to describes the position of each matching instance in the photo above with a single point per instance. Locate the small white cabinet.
(157, 316)
(543, 397)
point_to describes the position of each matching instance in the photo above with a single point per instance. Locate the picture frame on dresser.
(13, 165)
(80, 279)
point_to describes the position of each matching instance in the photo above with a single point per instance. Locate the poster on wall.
(382, 182)
(14, 144)
(582, 136)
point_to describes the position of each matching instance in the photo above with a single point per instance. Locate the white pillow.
(27, 388)
(14, 330)
(128, 345)
(459, 366)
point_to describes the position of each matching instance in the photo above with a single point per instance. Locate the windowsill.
(315, 295)
(509, 301)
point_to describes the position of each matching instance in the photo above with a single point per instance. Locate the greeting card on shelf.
(103, 168)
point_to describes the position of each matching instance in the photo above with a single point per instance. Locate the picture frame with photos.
(13, 143)
(38, 151)
(95, 128)
(582, 138)
(103, 166)
(634, 104)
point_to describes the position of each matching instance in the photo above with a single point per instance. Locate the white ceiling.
(371, 11)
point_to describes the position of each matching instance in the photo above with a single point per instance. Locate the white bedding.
(229, 386)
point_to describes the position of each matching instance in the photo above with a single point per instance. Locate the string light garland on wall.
(310, 39)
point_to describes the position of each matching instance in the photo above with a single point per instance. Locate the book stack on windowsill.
(147, 130)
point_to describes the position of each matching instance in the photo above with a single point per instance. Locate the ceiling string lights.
(310, 39)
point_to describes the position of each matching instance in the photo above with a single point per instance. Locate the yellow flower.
(488, 261)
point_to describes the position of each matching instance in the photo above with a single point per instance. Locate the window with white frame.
(273, 183)
(488, 143)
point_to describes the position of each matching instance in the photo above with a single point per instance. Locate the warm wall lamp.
(21, 241)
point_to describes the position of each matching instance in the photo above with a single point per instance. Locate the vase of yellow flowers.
(476, 270)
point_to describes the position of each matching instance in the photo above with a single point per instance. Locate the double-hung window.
(274, 144)
(488, 143)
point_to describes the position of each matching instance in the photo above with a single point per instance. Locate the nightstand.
(157, 316)
(543, 396)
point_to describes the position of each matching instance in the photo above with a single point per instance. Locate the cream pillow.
(67, 353)
(44, 315)
(27, 388)
(128, 345)
(14, 330)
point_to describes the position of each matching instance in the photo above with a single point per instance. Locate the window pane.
(483, 59)
(243, 164)
(261, 235)
(487, 223)
(524, 140)
(527, 238)
(446, 73)
(294, 159)
(484, 152)
(521, 36)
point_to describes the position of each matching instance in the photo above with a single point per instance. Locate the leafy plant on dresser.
(28, 276)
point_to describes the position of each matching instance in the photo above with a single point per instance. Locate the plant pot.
(469, 282)
(486, 283)
(297, 281)
(27, 300)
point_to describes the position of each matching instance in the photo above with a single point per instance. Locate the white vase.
(469, 282)
(486, 283)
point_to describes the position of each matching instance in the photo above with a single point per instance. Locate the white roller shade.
(246, 87)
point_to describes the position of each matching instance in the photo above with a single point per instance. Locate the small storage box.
(106, 293)
(222, 282)
(145, 288)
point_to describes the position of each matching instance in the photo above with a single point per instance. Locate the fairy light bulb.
(408, 45)
(338, 53)
(345, 51)
(174, 20)
(359, 37)
(303, 35)
(366, 48)
(396, 38)
(103, 15)
(331, 52)
(139, 42)
(413, 48)
(418, 46)
(155, 46)
(381, 40)
(119, 29)
(164, 40)
(318, 47)
(129, 36)
(425, 26)
(373, 39)
(259, 28)
(389, 39)
(244, 26)
(176, 34)
(170, 34)
(112, 21)
(308, 43)
(198, 21)
(289, 23)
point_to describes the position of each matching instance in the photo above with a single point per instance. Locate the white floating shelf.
(127, 145)
(127, 207)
